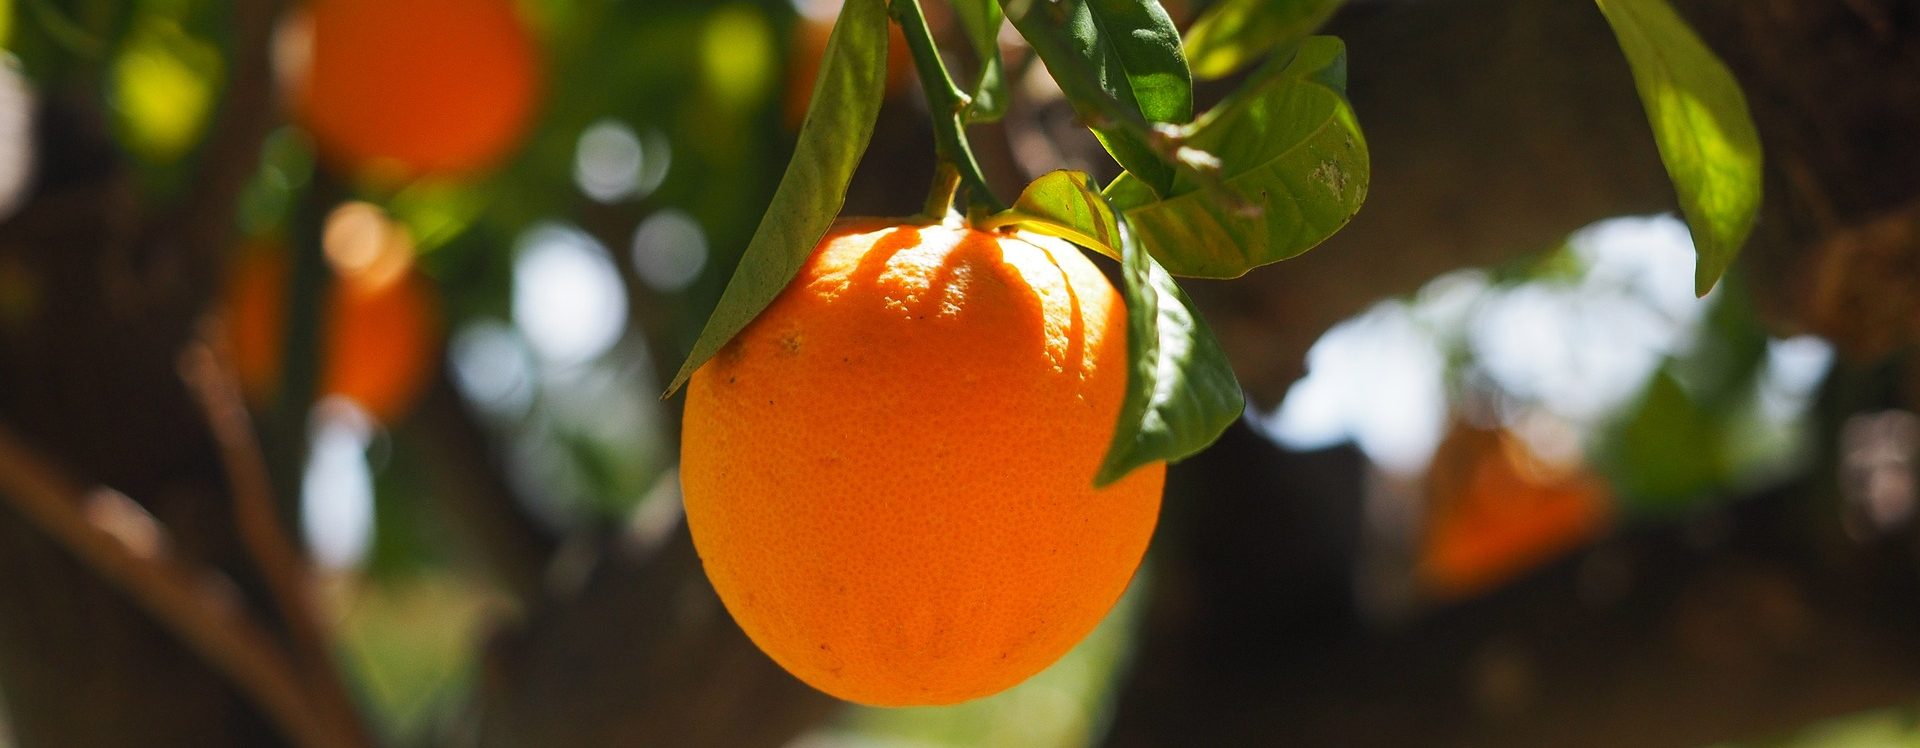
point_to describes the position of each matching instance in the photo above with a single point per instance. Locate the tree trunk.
(88, 356)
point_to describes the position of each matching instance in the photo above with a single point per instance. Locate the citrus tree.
(794, 434)
(922, 452)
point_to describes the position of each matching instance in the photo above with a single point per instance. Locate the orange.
(416, 86)
(382, 319)
(1497, 509)
(889, 473)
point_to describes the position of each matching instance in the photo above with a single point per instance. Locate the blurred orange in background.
(413, 87)
(1497, 508)
(382, 316)
(810, 32)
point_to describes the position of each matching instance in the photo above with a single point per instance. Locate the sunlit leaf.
(1234, 33)
(1127, 50)
(1064, 204)
(846, 101)
(1701, 124)
(1181, 393)
(982, 19)
(1141, 40)
(1289, 145)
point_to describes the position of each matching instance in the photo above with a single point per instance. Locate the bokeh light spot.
(669, 250)
(491, 367)
(336, 510)
(567, 296)
(17, 106)
(607, 161)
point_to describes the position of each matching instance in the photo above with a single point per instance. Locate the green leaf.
(1123, 51)
(1064, 204)
(1290, 145)
(1233, 33)
(982, 19)
(1701, 124)
(846, 101)
(1181, 393)
(1666, 453)
(1143, 44)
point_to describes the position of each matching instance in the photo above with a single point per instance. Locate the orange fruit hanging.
(413, 87)
(382, 321)
(888, 474)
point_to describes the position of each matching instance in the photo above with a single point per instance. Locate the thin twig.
(177, 252)
(127, 548)
(248, 112)
(206, 365)
(303, 328)
(948, 106)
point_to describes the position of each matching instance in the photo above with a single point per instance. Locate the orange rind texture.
(889, 474)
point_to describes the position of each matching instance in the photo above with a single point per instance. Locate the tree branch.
(206, 367)
(176, 257)
(128, 549)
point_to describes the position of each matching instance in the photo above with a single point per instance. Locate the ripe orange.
(382, 317)
(888, 474)
(416, 86)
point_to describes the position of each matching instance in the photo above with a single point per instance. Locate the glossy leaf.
(1064, 204)
(1123, 52)
(840, 118)
(1234, 33)
(982, 19)
(1702, 126)
(1181, 393)
(1289, 144)
(1143, 41)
